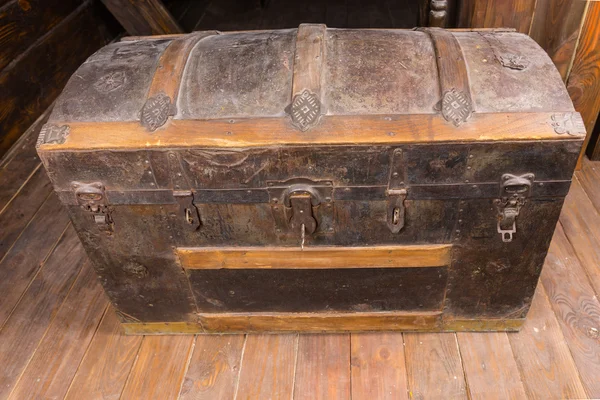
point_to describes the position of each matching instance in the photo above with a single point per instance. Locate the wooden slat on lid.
(163, 91)
(456, 104)
(306, 107)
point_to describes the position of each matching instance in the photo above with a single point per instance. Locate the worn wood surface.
(214, 368)
(315, 257)
(408, 128)
(583, 82)
(268, 367)
(577, 308)
(378, 367)
(148, 17)
(505, 14)
(322, 369)
(433, 366)
(545, 362)
(164, 358)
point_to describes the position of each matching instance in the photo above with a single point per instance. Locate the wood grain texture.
(50, 371)
(165, 359)
(556, 25)
(580, 221)
(143, 17)
(583, 82)
(23, 22)
(17, 165)
(315, 257)
(171, 63)
(308, 59)
(315, 322)
(30, 85)
(433, 366)
(265, 132)
(214, 368)
(503, 14)
(576, 307)
(22, 332)
(267, 368)
(542, 355)
(378, 368)
(20, 265)
(323, 370)
(488, 362)
(588, 177)
(19, 212)
(109, 358)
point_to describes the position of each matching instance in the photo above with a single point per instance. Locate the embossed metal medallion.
(156, 111)
(568, 123)
(53, 134)
(305, 110)
(513, 61)
(456, 107)
(110, 82)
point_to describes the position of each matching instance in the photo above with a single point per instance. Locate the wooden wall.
(42, 42)
(569, 30)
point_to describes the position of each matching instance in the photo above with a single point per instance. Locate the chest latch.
(92, 198)
(514, 191)
(187, 208)
(396, 209)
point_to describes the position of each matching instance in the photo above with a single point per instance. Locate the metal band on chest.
(456, 104)
(306, 108)
(162, 94)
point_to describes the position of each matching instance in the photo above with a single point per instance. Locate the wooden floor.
(59, 338)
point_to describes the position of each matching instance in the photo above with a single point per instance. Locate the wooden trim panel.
(332, 130)
(315, 257)
(326, 322)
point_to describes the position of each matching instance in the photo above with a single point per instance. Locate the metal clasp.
(188, 210)
(514, 191)
(301, 213)
(92, 198)
(395, 209)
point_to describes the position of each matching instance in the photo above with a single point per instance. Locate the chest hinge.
(514, 191)
(189, 211)
(92, 198)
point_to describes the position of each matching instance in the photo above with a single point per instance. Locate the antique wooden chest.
(316, 179)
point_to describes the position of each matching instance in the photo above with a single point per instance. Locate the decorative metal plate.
(156, 111)
(53, 134)
(456, 107)
(305, 110)
(568, 123)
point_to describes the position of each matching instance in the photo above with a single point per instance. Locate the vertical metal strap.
(306, 107)
(163, 91)
(456, 104)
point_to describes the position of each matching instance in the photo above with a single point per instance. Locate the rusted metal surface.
(495, 201)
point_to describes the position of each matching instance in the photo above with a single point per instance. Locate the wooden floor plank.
(51, 370)
(159, 369)
(24, 259)
(589, 178)
(22, 208)
(214, 368)
(542, 355)
(20, 162)
(490, 368)
(267, 370)
(323, 367)
(104, 369)
(433, 366)
(577, 308)
(581, 223)
(29, 321)
(378, 367)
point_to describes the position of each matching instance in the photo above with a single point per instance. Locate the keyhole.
(396, 216)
